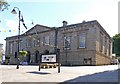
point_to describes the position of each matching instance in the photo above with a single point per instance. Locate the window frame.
(11, 47)
(84, 36)
(46, 40)
(68, 38)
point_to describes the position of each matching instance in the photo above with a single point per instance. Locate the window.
(16, 46)
(87, 61)
(82, 40)
(36, 42)
(101, 42)
(28, 42)
(46, 40)
(20, 45)
(67, 42)
(105, 46)
(11, 47)
(109, 53)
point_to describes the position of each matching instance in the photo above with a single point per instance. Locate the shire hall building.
(85, 43)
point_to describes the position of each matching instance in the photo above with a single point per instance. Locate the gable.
(38, 28)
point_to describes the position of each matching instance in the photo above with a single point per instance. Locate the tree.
(46, 51)
(3, 5)
(116, 44)
(21, 54)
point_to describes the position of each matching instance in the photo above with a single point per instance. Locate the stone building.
(1, 52)
(85, 43)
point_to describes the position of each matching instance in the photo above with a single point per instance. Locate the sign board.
(48, 58)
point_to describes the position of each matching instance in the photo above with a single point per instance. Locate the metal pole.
(19, 17)
(57, 51)
(66, 45)
(58, 54)
(66, 49)
(56, 33)
(18, 40)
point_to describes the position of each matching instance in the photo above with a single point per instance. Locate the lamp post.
(56, 49)
(20, 18)
(66, 46)
(56, 33)
(19, 13)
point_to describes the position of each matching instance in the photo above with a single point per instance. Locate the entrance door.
(36, 56)
(28, 56)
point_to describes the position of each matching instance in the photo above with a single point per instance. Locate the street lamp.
(14, 12)
(66, 46)
(56, 49)
(20, 18)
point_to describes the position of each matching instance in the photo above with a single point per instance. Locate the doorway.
(28, 56)
(36, 56)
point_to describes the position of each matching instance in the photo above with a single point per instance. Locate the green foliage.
(23, 53)
(46, 51)
(3, 5)
(116, 44)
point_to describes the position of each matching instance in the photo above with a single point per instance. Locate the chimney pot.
(64, 23)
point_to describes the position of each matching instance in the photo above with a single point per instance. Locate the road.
(108, 73)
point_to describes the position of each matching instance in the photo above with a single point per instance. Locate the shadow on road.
(106, 77)
(42, 73)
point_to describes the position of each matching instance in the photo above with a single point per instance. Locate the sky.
(52, 12)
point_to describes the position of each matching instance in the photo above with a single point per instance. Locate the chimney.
(64, 23)
(83, 21)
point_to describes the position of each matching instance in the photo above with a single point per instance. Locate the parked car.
(114, 62)
(3, 62)
(23, 63)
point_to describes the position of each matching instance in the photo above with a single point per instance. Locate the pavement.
(27, 73)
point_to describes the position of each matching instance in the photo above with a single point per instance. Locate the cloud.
(12, 25)
(105, 12)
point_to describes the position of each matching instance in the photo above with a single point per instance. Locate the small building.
(85, 43)
(1, 52)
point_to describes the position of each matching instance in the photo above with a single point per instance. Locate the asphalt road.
(108, 73)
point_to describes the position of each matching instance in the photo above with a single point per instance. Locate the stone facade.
(85, 43)
(1, 52)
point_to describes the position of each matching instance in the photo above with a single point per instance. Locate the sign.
(49, 58)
